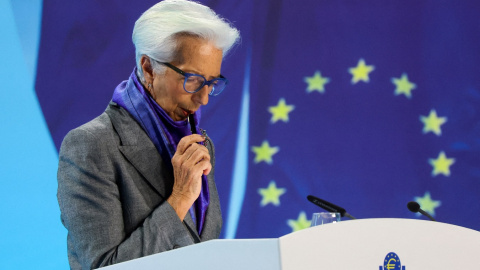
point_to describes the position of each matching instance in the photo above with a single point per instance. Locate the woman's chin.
(179, 117)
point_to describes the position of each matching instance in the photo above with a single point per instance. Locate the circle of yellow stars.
(391, 257)
(432, 123)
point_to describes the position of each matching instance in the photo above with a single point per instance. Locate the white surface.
(357, 244)
(213, 255)
(363, 244)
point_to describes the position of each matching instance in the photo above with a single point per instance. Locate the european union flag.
(366, 104)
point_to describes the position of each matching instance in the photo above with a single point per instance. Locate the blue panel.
(27, 14)
(31, 232)
(240, 169)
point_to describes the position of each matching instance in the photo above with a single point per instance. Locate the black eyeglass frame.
(213, 92)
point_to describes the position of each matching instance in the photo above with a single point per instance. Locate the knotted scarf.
(162, 130)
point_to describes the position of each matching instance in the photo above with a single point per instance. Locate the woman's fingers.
(187, 141)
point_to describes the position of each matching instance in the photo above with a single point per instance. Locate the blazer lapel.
(142, 154)
(140, 150)
(191, 227)
(213, 219)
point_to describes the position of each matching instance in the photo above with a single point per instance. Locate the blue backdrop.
(368, 105)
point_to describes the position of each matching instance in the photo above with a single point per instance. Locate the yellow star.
(301, 223)
(317, 82)
(404, 86)
(427, 204)
(441, 165)
(280, 112)
(271, 194)
(264, 152)
(432, 123)
(360, 72)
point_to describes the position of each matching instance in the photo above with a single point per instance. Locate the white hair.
(156, 31)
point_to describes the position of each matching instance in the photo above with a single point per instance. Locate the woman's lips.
(186, 112)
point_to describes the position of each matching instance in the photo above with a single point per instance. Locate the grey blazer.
(112, 191)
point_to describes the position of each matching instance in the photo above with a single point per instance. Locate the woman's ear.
(147, 69)
(148, 74)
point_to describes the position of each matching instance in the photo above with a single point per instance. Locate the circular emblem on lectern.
(392, 262)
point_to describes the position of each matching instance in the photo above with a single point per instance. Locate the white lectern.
(384, 244)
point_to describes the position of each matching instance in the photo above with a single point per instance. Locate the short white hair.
(156, 31)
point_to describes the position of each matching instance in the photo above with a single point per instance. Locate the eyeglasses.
(194, 82)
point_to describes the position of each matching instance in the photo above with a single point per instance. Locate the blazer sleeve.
(91, 209)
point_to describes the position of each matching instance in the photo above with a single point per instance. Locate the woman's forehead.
(199, 56)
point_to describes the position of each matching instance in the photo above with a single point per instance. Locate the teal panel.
(31, 232)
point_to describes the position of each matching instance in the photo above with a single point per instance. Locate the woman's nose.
(201, 96)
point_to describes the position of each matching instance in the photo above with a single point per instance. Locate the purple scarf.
(162, 130)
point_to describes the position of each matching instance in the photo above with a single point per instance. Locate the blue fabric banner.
(366, 104)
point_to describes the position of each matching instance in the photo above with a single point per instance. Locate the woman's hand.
(190, 162)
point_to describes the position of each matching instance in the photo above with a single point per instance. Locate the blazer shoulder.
(105, 125)
(97, 129)
(100, 130)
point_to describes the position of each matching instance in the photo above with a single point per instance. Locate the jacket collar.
(140, 151)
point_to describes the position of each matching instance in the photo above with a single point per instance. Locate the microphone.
(329, 206)
(415, 208)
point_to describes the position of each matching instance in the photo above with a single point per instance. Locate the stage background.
(366, 104)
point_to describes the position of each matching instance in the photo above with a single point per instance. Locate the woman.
(135, 181)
